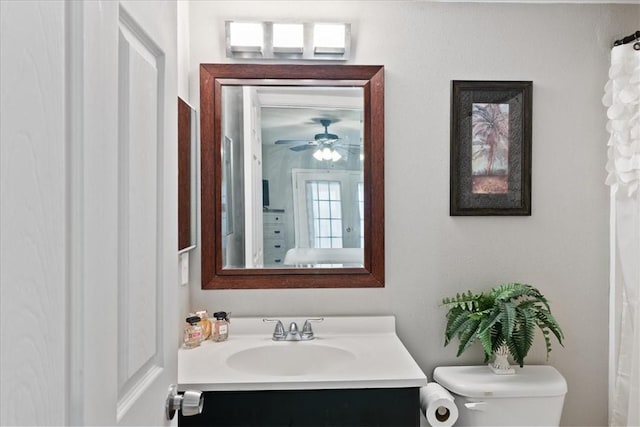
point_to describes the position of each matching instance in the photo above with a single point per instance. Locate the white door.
(125, 190)
(89, 330)
(254, 244)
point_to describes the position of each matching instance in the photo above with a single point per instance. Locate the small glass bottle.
(192, 332)
(220, 326)
(205, 324)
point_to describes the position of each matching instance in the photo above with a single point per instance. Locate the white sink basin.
(295, 358)
(348, 352)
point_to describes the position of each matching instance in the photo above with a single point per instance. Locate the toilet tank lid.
(480, 381)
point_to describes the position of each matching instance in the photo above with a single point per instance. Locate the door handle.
(190, 403)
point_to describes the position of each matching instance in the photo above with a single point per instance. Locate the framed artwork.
(490, 148)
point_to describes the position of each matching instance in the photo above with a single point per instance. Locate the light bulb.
(335, 156)
(318, 154)
(288, 36)
(326, 153)
(246, 34)
(329, 36)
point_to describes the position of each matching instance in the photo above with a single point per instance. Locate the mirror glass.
(292, 176)
(292, 173)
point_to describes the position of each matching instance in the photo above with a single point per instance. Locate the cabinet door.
(330, 408)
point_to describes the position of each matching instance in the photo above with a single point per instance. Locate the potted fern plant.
(503, 320)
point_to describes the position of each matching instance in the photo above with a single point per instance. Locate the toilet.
(533, 396)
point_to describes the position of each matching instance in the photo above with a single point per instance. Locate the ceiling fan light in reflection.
(326, 153)
(318, 155)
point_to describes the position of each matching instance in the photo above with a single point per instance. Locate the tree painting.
(490, 148)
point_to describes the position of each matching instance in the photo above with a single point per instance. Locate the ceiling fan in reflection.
(326, 143)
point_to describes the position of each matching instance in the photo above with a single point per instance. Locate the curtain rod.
(628, 39)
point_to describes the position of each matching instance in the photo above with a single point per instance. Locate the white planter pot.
(500, 364)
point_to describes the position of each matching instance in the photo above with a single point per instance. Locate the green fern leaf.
(497, 337)
(508, 319)
(528, 331)
(503, 292)
(484, 336)
(546, 321)
(523, 334)
(547, 341)
(468, 334)
(486, 332)
(457, 319)
(492, 315)
(467, 301)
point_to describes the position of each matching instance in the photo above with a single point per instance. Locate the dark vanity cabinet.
(341, 407)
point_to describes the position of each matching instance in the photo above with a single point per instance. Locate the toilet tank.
(533, 396)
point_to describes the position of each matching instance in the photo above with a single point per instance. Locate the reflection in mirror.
(292, 176)
(187, 173)
(302, 154)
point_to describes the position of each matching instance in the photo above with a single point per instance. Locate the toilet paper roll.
(437, 405)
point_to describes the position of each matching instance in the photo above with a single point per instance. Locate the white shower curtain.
(622, 97)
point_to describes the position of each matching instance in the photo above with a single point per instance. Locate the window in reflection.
(324, 211)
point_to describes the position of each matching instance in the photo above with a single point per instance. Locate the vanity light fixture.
(275, 40)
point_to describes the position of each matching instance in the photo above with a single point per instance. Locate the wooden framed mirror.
(292, 176)
(187, 176)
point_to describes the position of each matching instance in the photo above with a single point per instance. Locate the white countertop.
(378, 359)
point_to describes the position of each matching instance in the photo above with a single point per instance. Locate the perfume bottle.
(220, 326)
(205, 324)
(192, 332)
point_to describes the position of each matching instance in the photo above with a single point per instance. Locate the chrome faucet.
(293, 334)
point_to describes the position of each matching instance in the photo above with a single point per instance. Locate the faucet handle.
(278, 332)
(307, 331)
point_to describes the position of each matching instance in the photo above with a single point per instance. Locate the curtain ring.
(636, 45)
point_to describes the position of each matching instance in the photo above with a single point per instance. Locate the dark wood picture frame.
(490, 170)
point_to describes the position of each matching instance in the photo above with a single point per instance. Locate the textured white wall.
(183, 50)
(183, 34)
(562, 248)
